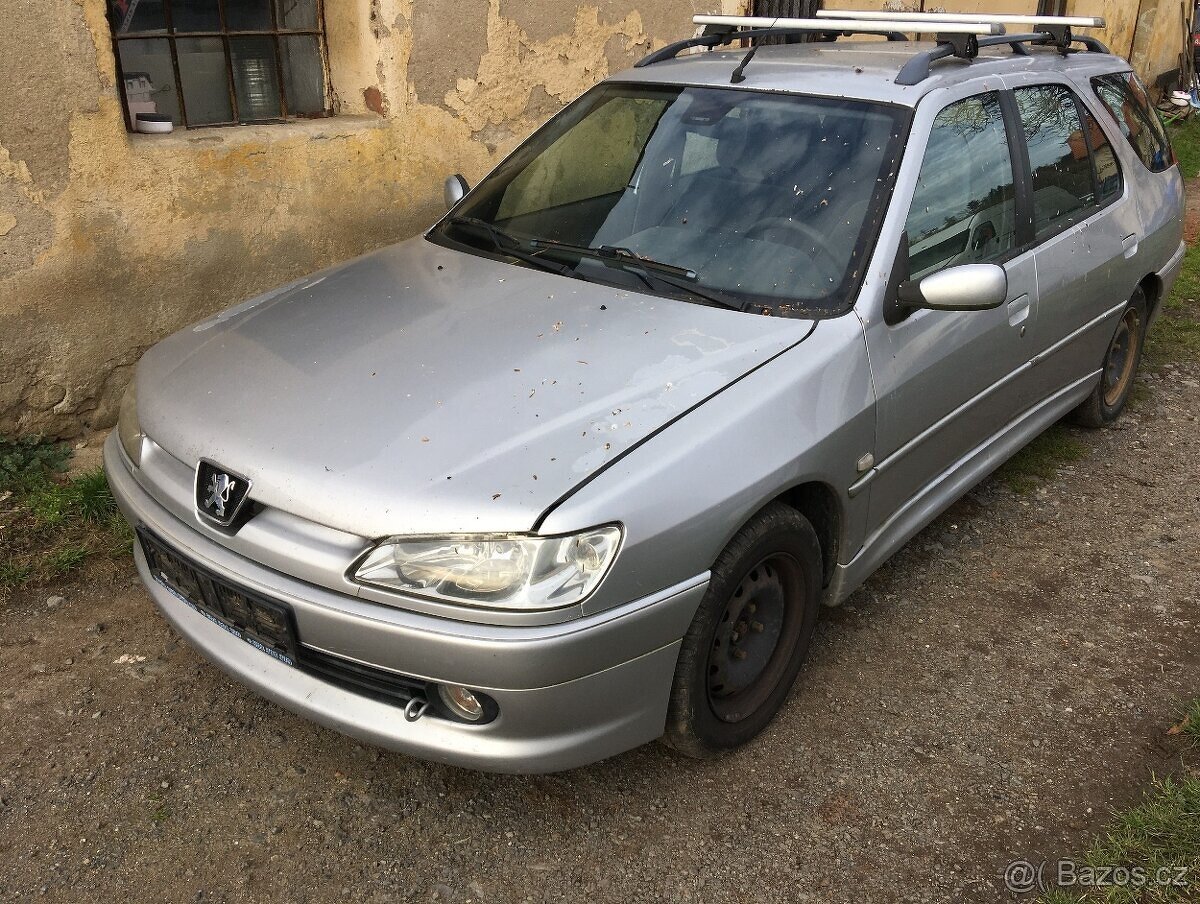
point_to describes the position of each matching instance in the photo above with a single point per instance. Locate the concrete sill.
(231, 137)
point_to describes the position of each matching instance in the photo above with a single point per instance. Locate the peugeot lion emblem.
(219, 488)
(220, 493)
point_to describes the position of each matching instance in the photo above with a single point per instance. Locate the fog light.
(461, 702)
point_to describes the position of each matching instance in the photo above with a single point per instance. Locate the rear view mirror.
(967, 287)
(455, 189)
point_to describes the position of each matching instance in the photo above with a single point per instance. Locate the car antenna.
(737, 77)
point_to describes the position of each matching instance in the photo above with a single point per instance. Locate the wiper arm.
(614, 253)
(508, 244)
(646, 268)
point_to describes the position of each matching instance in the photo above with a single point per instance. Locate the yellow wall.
(110, 241)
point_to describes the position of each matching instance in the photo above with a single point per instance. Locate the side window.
(1063, 190)
(964, 208)
(1108, 170)
(1124, 97)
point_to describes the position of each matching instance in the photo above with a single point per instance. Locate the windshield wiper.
(508, 244)
(645, 268)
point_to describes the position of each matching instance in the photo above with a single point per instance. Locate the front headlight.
(129, 431)
(495, 572)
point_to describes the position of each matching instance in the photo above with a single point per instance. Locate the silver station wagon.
(577, 468)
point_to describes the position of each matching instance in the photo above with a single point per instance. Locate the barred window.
(220, 62)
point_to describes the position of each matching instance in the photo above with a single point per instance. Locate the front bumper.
(568, 694)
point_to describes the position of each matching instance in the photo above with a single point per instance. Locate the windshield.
(764, 199)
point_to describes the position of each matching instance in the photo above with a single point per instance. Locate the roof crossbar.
(717, 38)
(719, 30)
(917, 69)
(971, 18)
(901, 22)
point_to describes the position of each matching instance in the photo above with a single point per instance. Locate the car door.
(1087, 230)
(946, 381)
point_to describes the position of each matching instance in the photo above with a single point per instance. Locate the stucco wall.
(110, 241)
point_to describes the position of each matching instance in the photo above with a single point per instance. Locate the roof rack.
(719, 30)
(918, 68)
(1056, 28)
(971, 18)
(898, 22)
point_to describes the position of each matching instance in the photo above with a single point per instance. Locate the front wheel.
(750, 635)
(1120, 367)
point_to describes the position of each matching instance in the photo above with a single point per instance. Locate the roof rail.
(917, 69)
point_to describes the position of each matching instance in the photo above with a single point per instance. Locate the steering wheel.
(834, 262)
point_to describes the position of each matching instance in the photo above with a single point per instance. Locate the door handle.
(1129, 245)
(1018, 311)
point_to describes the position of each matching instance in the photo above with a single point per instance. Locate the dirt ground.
(989, 695)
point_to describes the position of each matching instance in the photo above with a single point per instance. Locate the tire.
(735, 670)
(1120, 367)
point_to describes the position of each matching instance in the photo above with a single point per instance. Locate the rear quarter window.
(1125, 98)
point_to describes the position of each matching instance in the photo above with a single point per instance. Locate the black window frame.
(224, 33)
(1148, 115)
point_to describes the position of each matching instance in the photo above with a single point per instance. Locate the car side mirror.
(455, 189)
(967, 287)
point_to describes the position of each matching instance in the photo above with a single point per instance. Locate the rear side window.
(1123, 95)
(964, 208)
(1063, 188)
(1108, 169)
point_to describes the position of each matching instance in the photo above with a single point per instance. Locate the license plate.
(266, 625)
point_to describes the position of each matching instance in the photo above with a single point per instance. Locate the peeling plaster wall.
(110, 241)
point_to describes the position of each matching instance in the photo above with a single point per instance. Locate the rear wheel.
(750, 635)
(1120, 367)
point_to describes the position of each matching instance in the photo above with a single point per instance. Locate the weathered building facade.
(110, 240)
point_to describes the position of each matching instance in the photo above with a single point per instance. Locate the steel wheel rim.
(755, 637)
(1121, 358)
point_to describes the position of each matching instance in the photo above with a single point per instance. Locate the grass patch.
(1162, 832)
(28, 461)
(1188, 727)
(1041, 459)
(1185, 140)
(50, 524)
(1159, 837)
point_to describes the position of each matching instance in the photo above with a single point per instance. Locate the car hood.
(420, 389)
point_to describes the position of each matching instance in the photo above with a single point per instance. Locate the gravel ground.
(993, 691)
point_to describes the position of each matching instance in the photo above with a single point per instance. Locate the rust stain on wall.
(375, 101)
